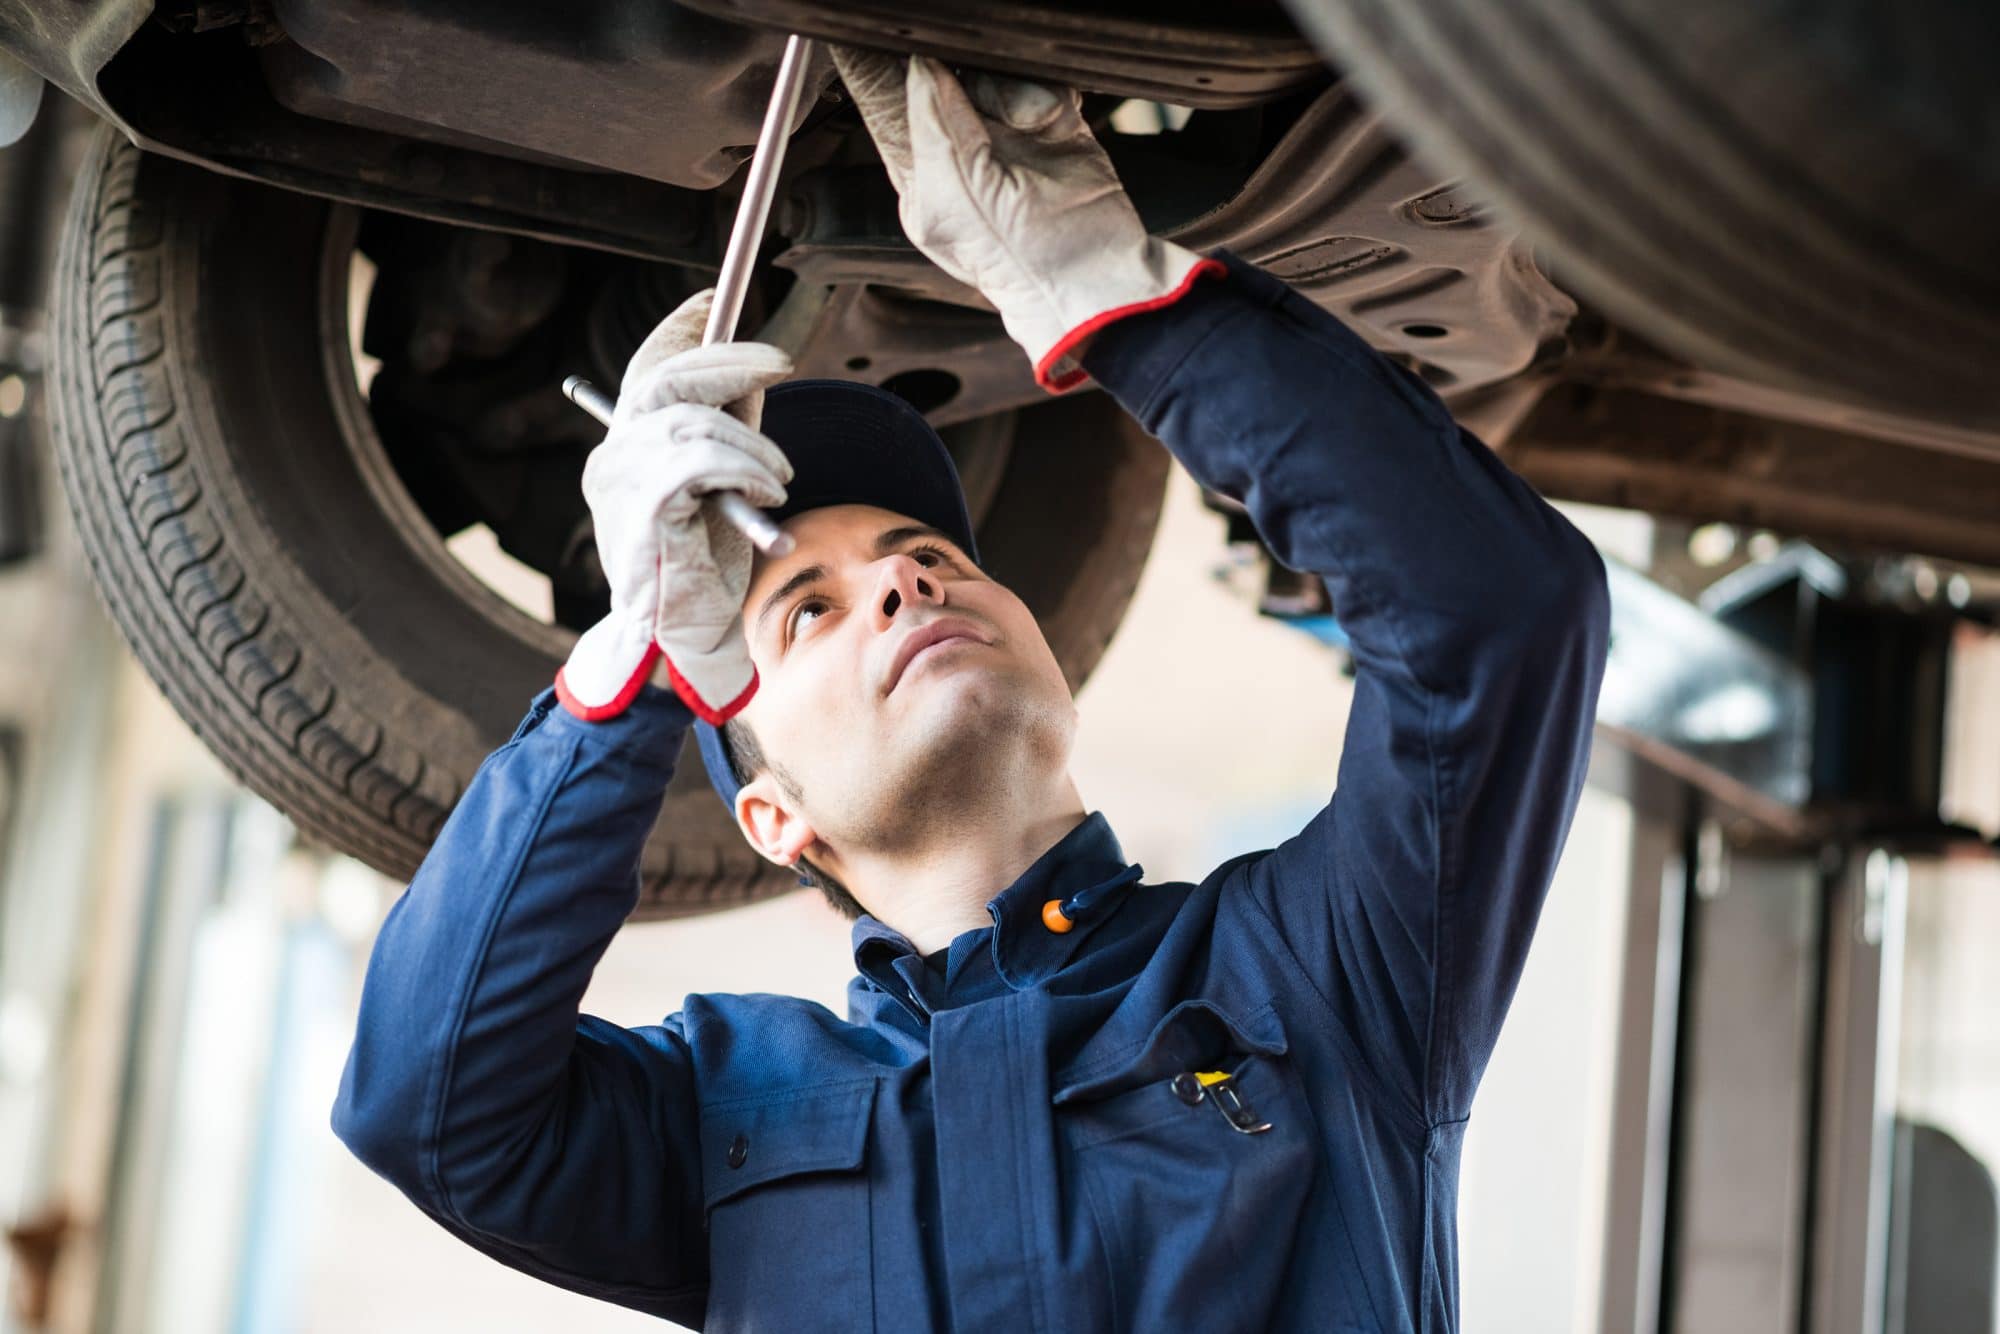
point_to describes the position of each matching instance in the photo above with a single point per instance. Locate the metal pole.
(760, 186)
(739, 259)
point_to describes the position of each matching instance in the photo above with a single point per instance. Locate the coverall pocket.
(1194, 1156)
(785, 1190)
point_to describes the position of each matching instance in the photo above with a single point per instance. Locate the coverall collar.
(1085, 869)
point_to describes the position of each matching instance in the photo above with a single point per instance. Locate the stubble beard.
(985, 760)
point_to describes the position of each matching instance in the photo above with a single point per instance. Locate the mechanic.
(1062, 1099)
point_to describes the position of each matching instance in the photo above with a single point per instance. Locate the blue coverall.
(995, 1138)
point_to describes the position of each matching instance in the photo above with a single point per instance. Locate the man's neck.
(935, 892)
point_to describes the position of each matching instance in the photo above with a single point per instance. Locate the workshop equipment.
(760, 185)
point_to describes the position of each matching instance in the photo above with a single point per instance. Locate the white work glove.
(678, 570)
(1004, 187)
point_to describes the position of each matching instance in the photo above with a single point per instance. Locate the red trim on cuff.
(1045, 369)
(691, 698)
(618, 703)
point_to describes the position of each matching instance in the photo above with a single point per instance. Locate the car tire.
(300, 625)
(1798, 194)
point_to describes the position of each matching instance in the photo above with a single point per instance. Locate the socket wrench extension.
(760, 185)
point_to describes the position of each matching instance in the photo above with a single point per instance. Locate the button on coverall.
(1000, 1143)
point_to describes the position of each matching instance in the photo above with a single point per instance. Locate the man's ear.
(777, 829)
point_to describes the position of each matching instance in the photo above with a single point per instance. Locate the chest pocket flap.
(1195, 1034)
(750, 1141)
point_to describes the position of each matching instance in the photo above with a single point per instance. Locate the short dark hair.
(746, 761)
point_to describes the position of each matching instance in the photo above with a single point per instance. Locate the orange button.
(1053, 918)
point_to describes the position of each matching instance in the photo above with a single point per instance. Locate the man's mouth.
(930, 635)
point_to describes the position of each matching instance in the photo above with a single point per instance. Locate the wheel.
(1798, 193)
(253, 540)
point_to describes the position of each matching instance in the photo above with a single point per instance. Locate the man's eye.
(929, 557)
(808, 607)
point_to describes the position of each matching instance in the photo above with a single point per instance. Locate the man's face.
(892, 675)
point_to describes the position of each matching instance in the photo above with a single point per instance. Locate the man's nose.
(900, 583)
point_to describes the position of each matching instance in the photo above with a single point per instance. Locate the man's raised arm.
(1478, 618)
(1478, 615)
(558, 1143)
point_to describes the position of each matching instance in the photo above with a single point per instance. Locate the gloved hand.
(678, 571)
(1003, 186)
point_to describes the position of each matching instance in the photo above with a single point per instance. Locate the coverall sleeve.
(1478, 619)
(560, 1144)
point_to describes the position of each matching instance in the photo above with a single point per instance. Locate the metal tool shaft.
(760, 186)
(739, 259)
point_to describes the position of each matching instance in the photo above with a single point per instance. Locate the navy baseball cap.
(851, 444)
